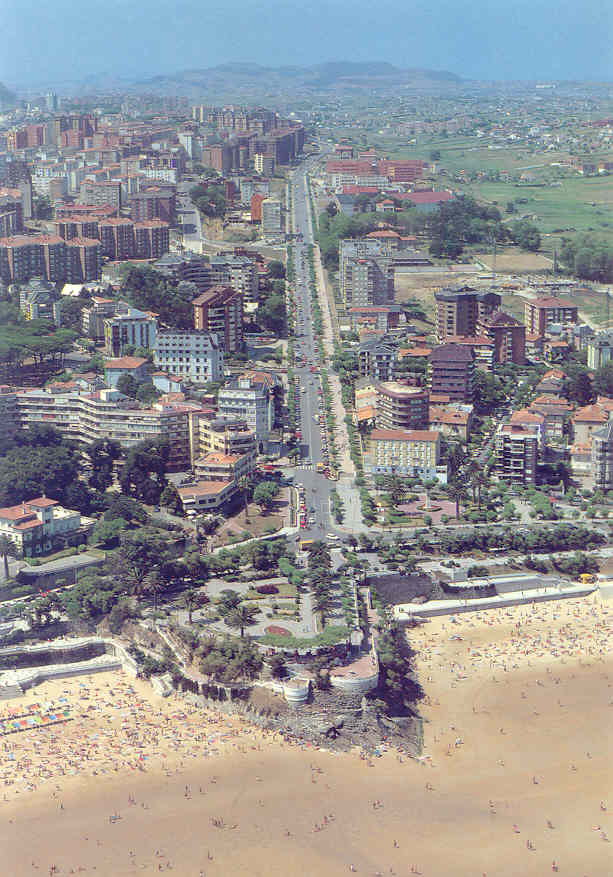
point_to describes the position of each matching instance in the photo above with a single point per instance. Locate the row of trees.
(463, 221)
(272, 314)
(564, 537)
(37, 340)
(588, 257)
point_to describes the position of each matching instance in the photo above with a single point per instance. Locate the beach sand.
(515, 775)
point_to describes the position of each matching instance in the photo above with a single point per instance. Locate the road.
(317, 487)
(313, 437)
(190, 215)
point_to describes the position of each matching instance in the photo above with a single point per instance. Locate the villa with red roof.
(37, 526)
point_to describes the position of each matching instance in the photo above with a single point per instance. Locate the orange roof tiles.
(125, 362)
(590, 414)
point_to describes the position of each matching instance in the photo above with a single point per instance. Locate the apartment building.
(151, 239)
(193, 354)
(413, 453)
(106, 414)
(377, 359)
(38, 300)
(227, 435)
(239, 272)
(599, 350)
(11, 212)
(220, 310)
(379, 317)
(101, 192)
(556, 414)
(508, 337)
(187, 267)
(8, 412)
(93, 317)
(533, 421)
(451, 371)
(117, 238)
(459, 310)
(49, 257)
(400, 406)
(540, 313)
(251, 397)
(366, 272)
(39, 525)
(218, 466)
(602, 457)
(515, 454)
(154, 202)
(120, 238)
(83, 260)
(368, 281)
(264, 164)
(128, 326)
(482, 347)
(272, 218)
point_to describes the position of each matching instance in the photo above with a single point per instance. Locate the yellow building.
(415, 453)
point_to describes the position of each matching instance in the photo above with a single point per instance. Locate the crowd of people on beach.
(113, 729)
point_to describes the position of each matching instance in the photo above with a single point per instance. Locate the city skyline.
(475, 41)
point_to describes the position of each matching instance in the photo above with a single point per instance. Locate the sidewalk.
(342, 437)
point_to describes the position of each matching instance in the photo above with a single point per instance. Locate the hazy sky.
(483, 39)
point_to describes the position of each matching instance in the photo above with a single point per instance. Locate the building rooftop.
(203, 488)
(413, 435)
(395, 388)
(452, 353)
(590, 414)
(125, 362)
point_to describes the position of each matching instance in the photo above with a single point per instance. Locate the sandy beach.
(515, 777)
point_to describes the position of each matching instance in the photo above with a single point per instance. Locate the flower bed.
(275, 630)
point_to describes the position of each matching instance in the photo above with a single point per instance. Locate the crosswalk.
(308, 466)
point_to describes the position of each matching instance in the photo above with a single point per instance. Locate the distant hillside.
(244, 78)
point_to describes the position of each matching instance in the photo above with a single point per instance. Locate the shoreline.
(505, 751)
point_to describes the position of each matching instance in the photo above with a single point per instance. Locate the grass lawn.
(513, 305)
(329, 637)
(256, 524)
(285, 591)
(577, 205)
(592, 303)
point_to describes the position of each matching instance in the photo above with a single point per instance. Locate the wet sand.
(515, 771)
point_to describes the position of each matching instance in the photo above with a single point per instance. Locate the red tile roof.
(590, 414)
(125, 362)
(413, 435)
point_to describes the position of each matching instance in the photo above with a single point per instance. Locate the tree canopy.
(149, 290)
(143, 475)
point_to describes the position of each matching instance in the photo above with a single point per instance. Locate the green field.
(580, 204)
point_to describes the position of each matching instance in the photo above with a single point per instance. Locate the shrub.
(267, 589)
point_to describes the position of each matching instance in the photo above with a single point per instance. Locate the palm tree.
(480, 481)
(321, 604)
(456, 490)
(7, 549)
(191, 600)
(473, 472)
(243, 483)
(154, 585)
(241, 617)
